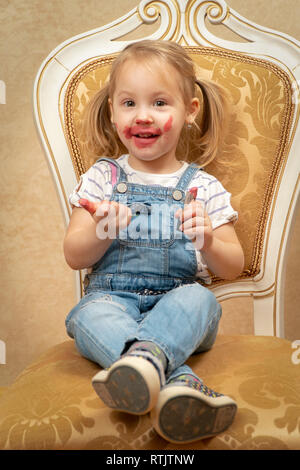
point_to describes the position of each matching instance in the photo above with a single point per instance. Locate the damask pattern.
(52, 404)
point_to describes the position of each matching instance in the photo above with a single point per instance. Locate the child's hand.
(110, 217)
(196, 224)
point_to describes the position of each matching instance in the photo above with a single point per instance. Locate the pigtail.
(212, 121)
(100, 136)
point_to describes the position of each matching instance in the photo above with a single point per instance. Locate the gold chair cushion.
(261, 113)
(2, 390)
(52, 404)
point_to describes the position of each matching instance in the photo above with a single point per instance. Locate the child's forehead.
(151, 65)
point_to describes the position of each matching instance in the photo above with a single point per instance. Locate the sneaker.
(132, 384)
(185, 413)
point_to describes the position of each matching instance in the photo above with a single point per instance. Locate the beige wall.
(36, 284)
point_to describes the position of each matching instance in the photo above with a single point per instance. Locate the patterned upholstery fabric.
(52, 404)
(261, 112)
(2, 390)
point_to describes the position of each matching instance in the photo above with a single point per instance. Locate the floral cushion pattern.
(52, 404)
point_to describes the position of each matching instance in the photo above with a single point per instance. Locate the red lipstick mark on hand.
(168, 125)
(88, 205)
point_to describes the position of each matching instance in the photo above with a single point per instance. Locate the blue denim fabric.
(182, 317)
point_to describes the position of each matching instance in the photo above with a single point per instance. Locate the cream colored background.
(36, 284)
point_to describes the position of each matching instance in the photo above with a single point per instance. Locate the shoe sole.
(184, 415)
(132, 385)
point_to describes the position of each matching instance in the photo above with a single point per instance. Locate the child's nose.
(143, 117)
(145, 120)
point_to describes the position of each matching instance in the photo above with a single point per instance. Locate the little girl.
(151, 242)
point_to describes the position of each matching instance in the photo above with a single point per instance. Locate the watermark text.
(153, 223)
(2, 352)
(296, 354)
(2, 92)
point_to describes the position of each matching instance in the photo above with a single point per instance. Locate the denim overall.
(144, 287)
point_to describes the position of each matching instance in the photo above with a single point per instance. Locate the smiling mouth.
(142, 136)
(145, 136)
(145, 133)
(145, 139)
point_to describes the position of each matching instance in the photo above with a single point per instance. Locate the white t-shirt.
(96, 186)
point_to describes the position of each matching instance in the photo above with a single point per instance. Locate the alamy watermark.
(153, 223)
(2, 92)
(295, 91)
(2, 352)
(2, 343)
(296, 354)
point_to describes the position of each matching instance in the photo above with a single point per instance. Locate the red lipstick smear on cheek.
(168, 125)
(127, 132)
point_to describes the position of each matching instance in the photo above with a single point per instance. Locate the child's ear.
(193, 110)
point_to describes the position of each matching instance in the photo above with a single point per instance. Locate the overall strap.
(187, 176)
(117, 172)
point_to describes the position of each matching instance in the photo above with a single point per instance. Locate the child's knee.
(203, 303)
(199, 294)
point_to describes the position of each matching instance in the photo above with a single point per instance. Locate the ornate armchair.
(52, 404)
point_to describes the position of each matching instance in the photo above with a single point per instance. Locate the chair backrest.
(259, 163)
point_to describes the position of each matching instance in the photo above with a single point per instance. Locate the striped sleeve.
(215, 199)
(94, 185)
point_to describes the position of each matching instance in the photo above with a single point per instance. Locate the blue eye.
(129, 103)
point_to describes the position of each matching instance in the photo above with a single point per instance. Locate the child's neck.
(157, 166)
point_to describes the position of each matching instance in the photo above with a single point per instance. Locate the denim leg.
(183, 321)
(101, 323)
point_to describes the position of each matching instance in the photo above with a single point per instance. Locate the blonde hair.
(199, 144)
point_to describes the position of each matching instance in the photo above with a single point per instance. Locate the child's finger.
(111, 217)
(102, 210)
(193, 222)
(194, 209)
(98, 210)
(196, 236)
(116, 214)
(178, 214)
(88, 205)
